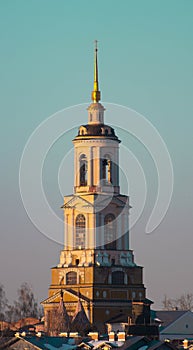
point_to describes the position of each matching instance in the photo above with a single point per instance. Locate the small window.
(71, 277)
(133, 295)
(118, 277)
(80, 232)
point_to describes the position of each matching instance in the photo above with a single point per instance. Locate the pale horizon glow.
(145, 56)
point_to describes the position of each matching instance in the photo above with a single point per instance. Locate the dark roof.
(132, 341)
(6, 342)
(97, 130)
(143, 330)
(80, 322)
(120, 318)
(56, 342)
(148, 301)
(158, 344)
(168, 317)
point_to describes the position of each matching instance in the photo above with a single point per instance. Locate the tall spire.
(96, 93)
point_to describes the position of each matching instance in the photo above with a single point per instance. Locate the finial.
(96, 42)
(96, 92)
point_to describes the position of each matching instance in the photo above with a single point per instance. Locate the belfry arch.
(83, 170)
(107, 168)
(80, 231)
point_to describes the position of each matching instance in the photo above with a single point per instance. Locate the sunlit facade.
(96, 264)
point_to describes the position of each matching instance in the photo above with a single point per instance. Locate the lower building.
(174, 325)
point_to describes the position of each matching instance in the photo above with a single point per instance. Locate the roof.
(62, 343)
(52, 342)
(95, 344)
(80, 321)
(168, 317)
(120, 318)
(25, 321)
(7, 325)
(143, 330)
(97, 130)
(155, 344)
(131, 341)
(5, 342)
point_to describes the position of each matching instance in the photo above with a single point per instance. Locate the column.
(71, 238)
(115, 167)
(92, 231)
(87, 238)
(76, 166)
(98, 166)
(119, 232)
(102, 231)
(126, 227)
(90, 162)
(97, 230)
(66, 231)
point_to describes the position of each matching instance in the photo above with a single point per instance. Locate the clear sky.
(146, 63)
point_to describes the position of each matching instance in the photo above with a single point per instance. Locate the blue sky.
(146, 63)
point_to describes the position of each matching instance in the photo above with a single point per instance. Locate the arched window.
(110, 232)
(118, 277)
(107, 168)
(71, 277)
(83, 170)
(80, 232)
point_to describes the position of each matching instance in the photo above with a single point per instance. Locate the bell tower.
(97, 267)
(96, 149)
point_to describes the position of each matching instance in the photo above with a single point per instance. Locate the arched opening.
(83, 170)
(110, 232)
(118, 277)
(80, 232)
(107, 169)
(71, 277)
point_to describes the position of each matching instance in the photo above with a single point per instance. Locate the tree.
(3, 303)
(184, 302)
(26, 305)
(10, 313)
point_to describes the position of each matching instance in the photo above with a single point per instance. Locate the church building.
(97, 278)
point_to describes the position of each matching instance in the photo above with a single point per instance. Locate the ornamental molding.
(51, 299)
(77, 201)
(115, 200)
(96, 139)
